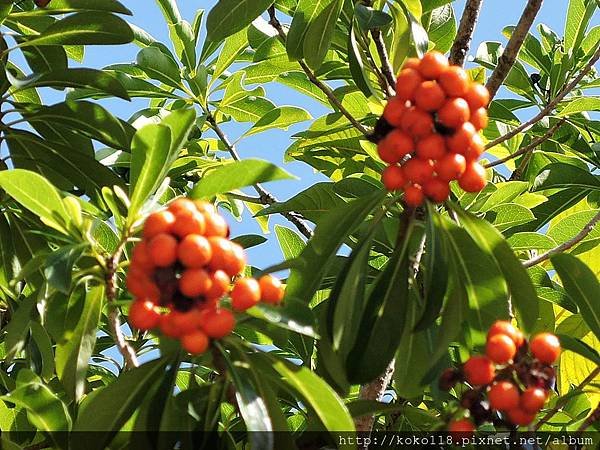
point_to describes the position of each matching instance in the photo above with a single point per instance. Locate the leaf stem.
(464, 35)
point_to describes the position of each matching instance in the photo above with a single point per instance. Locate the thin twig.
(551, 105)
(565, 399)
(464, 35)
(274, 22)
(509, 55)
(587, 229)
(266, 198)
(591, 419)
(531, 146)
(112, 262)
(386, 65)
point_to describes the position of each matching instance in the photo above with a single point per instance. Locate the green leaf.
(281, 118)
(369, 18)
(560, 175)
(36, 194)
(233, 46)
(85, 28)
(578, 18)
(305, 14)
(319, 34)
(419, 35)
(236, 175)
(526, 241)
(7, 254)
(230, 16)
(520, 286)
(250, 240)
(357, 66)
(568, 227)
(59, 266)
(310, 267)
(579, 105)
(291, 243)
(75, 78)
(509, 215)
(159, 66)
(106, 410)
(73, 354)
(578, 346)
(442, 28)
(40, 340)
(67, 6)
(582, 286)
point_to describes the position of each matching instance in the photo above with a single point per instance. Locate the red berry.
(450, 167)
(503, 327)
(455, 81)
(477, 96)
(393, 178)
(411, 63)
(162, 249)
(431, 147)
(245, 294)
(503, 396)
(473, 179)
(479, 370)
(454, 113)
(519, 417)
(437, 190)
(158, 222)
(417, 122)
(533, 399)
(188, 222)
(219, 284)
(271, 289)
(500, 348)
(182, 204)
(417, 170)
(395, 146)
(432, 65)
(195, 342)
(463, 427)
(429, 96)
(475, 148)
(194, 251)
(394, 110)
(545, 347)
(461, 139)
(479, 118)
(215, 225)
(407, 82)
(413, 196)
(218, 323)
(194, 282)
(168, 325)
(143, 316)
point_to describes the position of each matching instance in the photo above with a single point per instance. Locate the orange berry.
(413, 196)
(407, 83)
(461, 428)
(162, 249)
(411, 63)
(479, 118)
(500, 348)
(503, 396)
(450, 167)
(205, 207)
(235, 259)
(503, 327)
(432, 65)
(168, 325)
(519, 339)
(218, 323)
(186, 322)
(473, 178)
(437, 190)
(429, 96)
(519, 417)
(475, 148)
(461, 138)
(195, 342)
(417, 170)
(215, 225)
(431, 147)
(194, 282)
(477, 96)
(395, 146)
(417, 122)
(221, 248)
(182, 204)
(454, 113)
(142, 287)
(188, 222)
(533, 399)
(479, 370)
(194, 251)
(158, 222)
(220, 282)
(245, 294)
(455, 81)
(545, 347)
(140, 257)
(143, 316)
(271, 289)
(394, 110)
(393, 178)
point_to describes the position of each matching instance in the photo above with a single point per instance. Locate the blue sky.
(271, 145)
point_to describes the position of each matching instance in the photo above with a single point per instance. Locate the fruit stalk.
(464, 35)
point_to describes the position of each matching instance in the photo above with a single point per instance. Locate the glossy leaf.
(230, 16)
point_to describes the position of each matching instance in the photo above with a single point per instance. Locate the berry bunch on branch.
(184, 269)
(428, 134)
(509, 384)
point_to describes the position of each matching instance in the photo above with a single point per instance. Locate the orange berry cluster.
(181, 271)
(514, 376)
(429, 136)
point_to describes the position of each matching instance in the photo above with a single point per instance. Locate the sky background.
(271, 145)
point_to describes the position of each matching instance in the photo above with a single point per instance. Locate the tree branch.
(386, 65)
(265, 197)
(587, 229)
(508, 57)
(565, 399)
(112, 262)
(464, 35)
(591, 419)
(529, 147)
(550, 106)
(274, 22)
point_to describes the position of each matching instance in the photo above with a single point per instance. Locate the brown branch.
(274, 22)
(373, 391)
(565, 399)
(591, 419)
(531, 146)
(587, 229)
(509, 55)
(551, 105)
(265, 197)
(386, 66)
(464, 35)
(112, 262)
